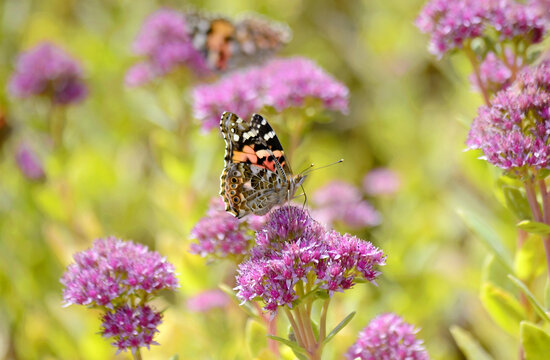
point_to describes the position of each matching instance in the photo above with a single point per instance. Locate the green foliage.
(468, 345)
(535, 341)
(503, 307)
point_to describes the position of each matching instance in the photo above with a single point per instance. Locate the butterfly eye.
(236, 200)
(233, 186)
(234, 180)
(232, 192)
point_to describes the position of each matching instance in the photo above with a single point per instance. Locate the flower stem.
(137, 354)
(546, 219)
(532, 199)
(475, 65)
(323, 322)
(294, 324)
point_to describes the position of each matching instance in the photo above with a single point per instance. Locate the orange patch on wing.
(239, 156)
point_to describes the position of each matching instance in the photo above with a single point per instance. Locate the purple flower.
(294, 248)
(165, 43)
(131, 327)
(29, 163)
(112, 271)
(49, 71)
(493, 73)
(450, 23)
(208, 300)
(339, 201)
(280, 83)
(381, 181)
(219, 234)
(388, 337)
(515, 20)
(513, 131)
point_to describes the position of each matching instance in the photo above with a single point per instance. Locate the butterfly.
(227, 44)
(256, 176)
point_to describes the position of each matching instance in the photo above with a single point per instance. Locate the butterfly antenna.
(309, 168)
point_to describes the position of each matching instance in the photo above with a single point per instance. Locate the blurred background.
(124, 171)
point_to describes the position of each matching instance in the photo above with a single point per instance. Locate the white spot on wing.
(235, 137)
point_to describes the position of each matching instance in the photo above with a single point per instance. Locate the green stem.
(137, 354)
(532, 199)
(323, 322)
(295, 327)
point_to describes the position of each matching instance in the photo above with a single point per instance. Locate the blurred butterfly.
(227, 44)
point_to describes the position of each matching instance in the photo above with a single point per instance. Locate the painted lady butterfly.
(227, 45)
(256, 176)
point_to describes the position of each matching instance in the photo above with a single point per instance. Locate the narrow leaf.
(247, 307)
(538, 307)
(489, 236)
(503, 307)
(534, 227)
(339, 327)
(469, 345)
(291, 344)
(535, 341)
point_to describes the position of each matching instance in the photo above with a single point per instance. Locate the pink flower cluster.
(451, 23)
(29, 162)
(513, 131)
(388, 337)
(280, 83)
(341, 202)
(219, 234)
(131, 327)
(294, 248)
(112, 270)
(48, 71)
(165, 43)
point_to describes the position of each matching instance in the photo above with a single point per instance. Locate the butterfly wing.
(226, 45)
(255, 176)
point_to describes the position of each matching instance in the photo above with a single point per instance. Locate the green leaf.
(255, 337)
(339, 327)
(495, 273)
(535, 341)
(468, 344)
(174, 357)
(503, 307)
(538, 307)
(489, 236)
(534, 227)
(516, 201)
(298, 350)
(529, 261)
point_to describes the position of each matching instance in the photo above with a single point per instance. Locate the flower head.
(280, 83)
(112, 271)
(388, 337)
(294, 248)
(165, 43)
(494, 75)
(513, 131)
(339, 201)
(219, 234)
(49, 71)
(131, 327)
(380, 181)
(29, 163)
(451, 23)
(208, 300)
